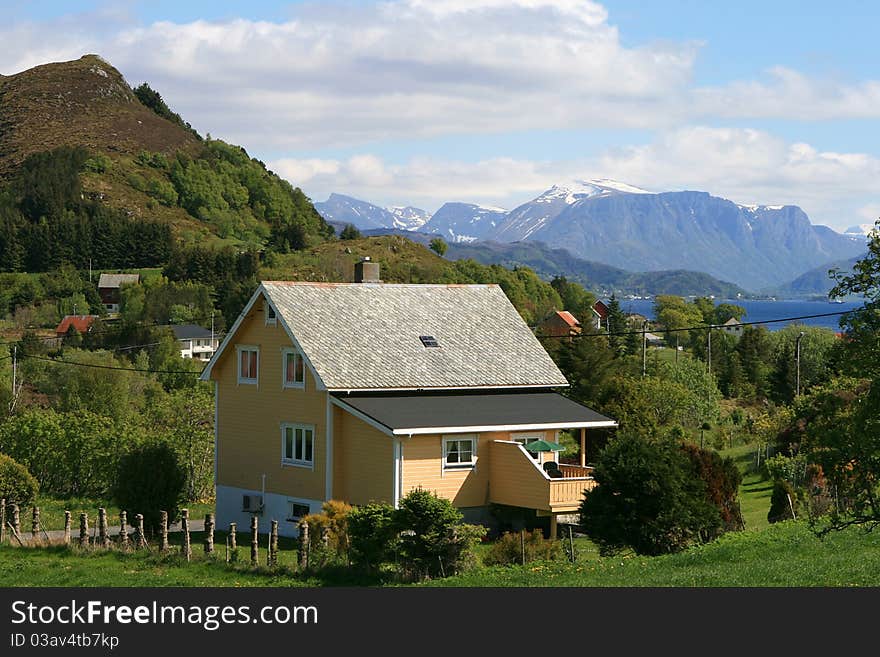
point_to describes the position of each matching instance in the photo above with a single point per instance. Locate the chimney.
(366, 271)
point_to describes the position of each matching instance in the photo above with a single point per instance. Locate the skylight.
(429, 341)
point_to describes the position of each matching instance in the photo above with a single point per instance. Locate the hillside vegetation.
(81, 153)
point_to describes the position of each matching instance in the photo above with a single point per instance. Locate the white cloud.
(403, 69)
(746, 166)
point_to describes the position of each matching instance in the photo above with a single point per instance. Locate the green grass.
(52, 511)
(786, 554)
(754, 491)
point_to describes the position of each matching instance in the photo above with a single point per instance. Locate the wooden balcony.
(516, 479)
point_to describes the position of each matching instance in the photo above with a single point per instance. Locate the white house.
(195, 341)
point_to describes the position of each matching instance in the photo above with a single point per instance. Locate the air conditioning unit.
(252, 503)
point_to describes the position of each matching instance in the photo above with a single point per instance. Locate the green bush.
(150, 480)
(508, 549)
(333, 520)
(780, 507)
(371, 535)
(17, 485)
(649, 499)
(433, 539)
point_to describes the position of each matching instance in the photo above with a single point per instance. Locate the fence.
(134, 537)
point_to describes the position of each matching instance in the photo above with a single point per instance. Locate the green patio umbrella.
(544, 446)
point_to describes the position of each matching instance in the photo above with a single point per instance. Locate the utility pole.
(798, 361)
(709, 348)
(644, 348)
(14, 377)
(676, 347)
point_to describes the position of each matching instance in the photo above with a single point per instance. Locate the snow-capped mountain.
(525, 220)
(409, 218)
(464, 222)
(754, 246)
(860, 231)
(348, 210)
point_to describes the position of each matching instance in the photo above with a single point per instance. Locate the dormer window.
(271, 318)
(429, 341)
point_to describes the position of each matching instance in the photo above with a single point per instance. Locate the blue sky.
(493, 101)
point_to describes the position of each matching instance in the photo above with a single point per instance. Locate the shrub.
(151, 479)
(433, 539)
(334, 520)
(371, 535)
(780, 507)
(17, 485)
(722, 479)
(350, 232)
(648, 499)
(508, 549)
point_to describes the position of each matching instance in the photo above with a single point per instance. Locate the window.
(525, 438)
(294, 369)
(298, 445)
(271, 318)
(459, 453)
(429, 341)
(297, 510)
(248, 363)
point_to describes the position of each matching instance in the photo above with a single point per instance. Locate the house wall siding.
(423, 467)
(363, 461)
(250, 418)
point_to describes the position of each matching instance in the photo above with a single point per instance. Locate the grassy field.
(52, 512)
(786, 554)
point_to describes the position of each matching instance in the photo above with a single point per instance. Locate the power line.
(109, 367)
(702, 327)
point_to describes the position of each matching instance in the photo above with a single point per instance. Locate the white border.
(243, 380)
(308, 465)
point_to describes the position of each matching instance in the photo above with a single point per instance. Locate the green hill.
(84, 157)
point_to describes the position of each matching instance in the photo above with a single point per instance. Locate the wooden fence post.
(84, 529)
(2, 520)
(140, 537)
(209, 533)
(67, 524)
(35, 524)
(303, 545)
(123, 530)
(255, 544)
(103, 534)
(233, 547)
(163, 532)
(16, 521)
(273, 544)
(522, 544)
(184, 525)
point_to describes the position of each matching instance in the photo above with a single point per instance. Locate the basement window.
(429, 341)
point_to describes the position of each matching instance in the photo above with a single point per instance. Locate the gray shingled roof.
(409, 412)
(116, 280)
(366, 336)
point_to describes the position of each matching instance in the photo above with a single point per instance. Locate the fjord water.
(764, 310)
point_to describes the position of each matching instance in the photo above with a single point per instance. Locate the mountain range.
(758, 247)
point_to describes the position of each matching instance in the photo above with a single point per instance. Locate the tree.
(648, 498)
(439, 246)
(861, 348)
(350, 232)
(150, 480)
(616, 326)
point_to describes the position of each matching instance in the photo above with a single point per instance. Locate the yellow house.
(364, 391)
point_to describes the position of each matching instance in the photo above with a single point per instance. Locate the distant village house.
(195, 341)
(600, 314)
(108, 289)
(733, 326)
(560, 324)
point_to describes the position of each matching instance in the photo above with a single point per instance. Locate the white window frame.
(447, 467)
(527, 437)
(273, 320)
(297, 354)
(294, 462)
(292, 518)
(247, 347)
